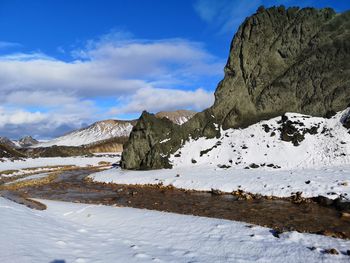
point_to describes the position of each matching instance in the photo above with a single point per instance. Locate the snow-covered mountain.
(6, 141)
(107, 129)
(179, 117)
(291, 141)
(27, 141)
(23, 142)
(98, 131)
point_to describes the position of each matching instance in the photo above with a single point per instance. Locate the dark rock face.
(144, 144)
(294, 60)
(281, 60)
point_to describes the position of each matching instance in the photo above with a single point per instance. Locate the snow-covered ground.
(326, 142)
(41, 163)
(67, 232)
(256, 160)
(327, 181)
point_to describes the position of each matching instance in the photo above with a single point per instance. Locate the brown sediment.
(20, 199)
(282, 214)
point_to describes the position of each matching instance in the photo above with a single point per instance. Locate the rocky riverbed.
(315, 215)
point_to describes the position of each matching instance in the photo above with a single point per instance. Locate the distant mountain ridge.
(26, 141)
(98, 131)
(109, 130)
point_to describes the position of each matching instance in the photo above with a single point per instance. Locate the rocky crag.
(281, 60)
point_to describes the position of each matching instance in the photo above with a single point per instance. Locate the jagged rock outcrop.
(145, 143)
(281, 60)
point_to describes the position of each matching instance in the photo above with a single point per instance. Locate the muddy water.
(278, 214)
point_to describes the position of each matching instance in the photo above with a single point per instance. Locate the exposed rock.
(144, 145)
(297, 198)
(346, 120)
(254, 165)
(281, 60)
(331, 251)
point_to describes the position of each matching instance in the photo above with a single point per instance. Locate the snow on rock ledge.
(291, 141)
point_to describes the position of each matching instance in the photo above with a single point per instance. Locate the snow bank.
(88, 233)
(53, 161)
(328, 181)
(325, 142)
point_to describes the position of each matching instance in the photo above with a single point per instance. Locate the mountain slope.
(178, 117)
(99, 134)
(27, 141)
(98, 131)
(6, 141)
(288, 142)
(281, 60)
(9, 152)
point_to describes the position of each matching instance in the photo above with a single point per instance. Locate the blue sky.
(65, 64)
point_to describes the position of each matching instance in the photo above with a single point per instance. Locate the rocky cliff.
(281, 60)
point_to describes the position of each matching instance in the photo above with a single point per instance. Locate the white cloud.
(110, 68)
(137, 74)
(16, 117)
(155, 100)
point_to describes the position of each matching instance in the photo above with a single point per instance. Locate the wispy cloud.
(6, 45)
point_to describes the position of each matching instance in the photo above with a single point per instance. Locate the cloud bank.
(52, 95)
